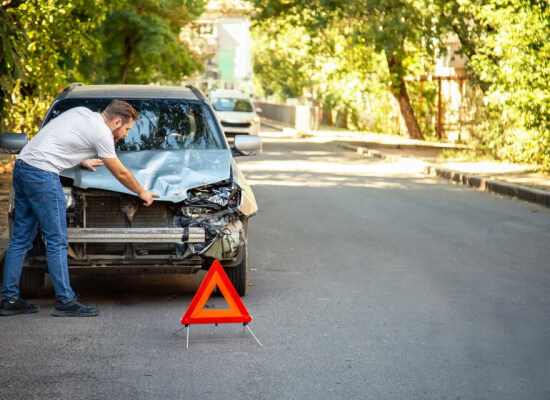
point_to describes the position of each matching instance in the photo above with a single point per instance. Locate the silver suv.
(176, 149)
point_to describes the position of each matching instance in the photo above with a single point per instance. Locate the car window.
(229, 104)
(163, 124)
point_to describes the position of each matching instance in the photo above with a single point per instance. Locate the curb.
(531, 195)
(521, 192)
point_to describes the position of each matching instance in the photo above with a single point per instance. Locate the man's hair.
(119, 108)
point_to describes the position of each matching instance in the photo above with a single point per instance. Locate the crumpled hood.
(168, 173)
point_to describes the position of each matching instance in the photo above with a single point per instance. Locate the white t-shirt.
(72, 137)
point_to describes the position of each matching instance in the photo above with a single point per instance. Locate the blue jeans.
(39, 201)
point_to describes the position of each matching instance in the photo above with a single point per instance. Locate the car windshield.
(163, 124)
(229, 104)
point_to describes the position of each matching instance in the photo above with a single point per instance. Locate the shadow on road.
(130, 288)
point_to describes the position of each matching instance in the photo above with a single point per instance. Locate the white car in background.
(235, 112)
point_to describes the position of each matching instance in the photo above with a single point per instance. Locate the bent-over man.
(67, 140)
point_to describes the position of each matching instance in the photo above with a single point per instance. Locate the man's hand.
(147, 197)
(125, 177)
(91, 164)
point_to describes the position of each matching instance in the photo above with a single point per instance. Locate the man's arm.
(125, 177)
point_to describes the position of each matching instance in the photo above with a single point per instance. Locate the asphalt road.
(370, 281)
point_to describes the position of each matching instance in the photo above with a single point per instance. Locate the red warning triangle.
(195, 313)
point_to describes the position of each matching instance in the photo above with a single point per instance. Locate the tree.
(282, 58)
(507, 44)
(405, 32)
(44, 43)
(323, 64)
(140, 41)
(397, 28)
(11, 55)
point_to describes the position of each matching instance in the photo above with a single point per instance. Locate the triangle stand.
(245, 324)
(237, 312)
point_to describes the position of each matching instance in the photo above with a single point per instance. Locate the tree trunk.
(402, 96)
(407, 112)
(326, 117)
(129, 44)
(342, 119)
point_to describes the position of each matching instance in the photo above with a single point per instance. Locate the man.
(71, 138)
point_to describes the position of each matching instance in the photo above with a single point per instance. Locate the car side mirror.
(258, 110)
(245, 145)
(12, 143)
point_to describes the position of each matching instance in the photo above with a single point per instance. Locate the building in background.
(450, 70)
(452, 110)
(221, 37)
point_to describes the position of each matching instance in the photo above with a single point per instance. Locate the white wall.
(234, 42)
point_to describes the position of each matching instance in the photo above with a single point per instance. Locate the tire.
(238, 275)
(32, 282)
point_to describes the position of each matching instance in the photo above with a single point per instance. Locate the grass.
(470, 155)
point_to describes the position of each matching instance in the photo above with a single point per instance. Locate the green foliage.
(348, 55)
(326, 65)
(347, 52)
(512, 62)
(424, 103)
(11, 56)
(281, 59)
(399, 29)
(140, 42)
(46, 44)
(41, 55)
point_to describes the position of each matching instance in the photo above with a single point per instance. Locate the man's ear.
(117, 122)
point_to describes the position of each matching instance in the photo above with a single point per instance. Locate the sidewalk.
(514, 180)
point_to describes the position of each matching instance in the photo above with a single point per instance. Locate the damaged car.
(177, 149)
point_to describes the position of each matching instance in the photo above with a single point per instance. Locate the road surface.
(368, 281)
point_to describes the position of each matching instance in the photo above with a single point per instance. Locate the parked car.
(235, 111)
(176, 149)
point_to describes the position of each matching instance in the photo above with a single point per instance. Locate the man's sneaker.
(19, 306)
(75, 308)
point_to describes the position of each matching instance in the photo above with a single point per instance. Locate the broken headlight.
(214, 208)
(208, 202)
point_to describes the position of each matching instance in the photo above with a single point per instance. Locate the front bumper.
(137, 235)
(252, 129)
(154, 246)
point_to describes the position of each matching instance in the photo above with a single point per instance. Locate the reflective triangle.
(196, 314)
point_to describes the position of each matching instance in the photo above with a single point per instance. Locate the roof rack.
(197, 92)
(69, 88)
(72, 86)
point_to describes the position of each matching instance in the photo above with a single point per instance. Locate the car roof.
(132, 92)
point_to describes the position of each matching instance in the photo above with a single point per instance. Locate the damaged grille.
(212, 210)
(106, 212)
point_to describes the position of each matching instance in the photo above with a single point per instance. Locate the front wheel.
(238, 275)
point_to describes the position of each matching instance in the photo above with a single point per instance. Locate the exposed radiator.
(106, 212)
